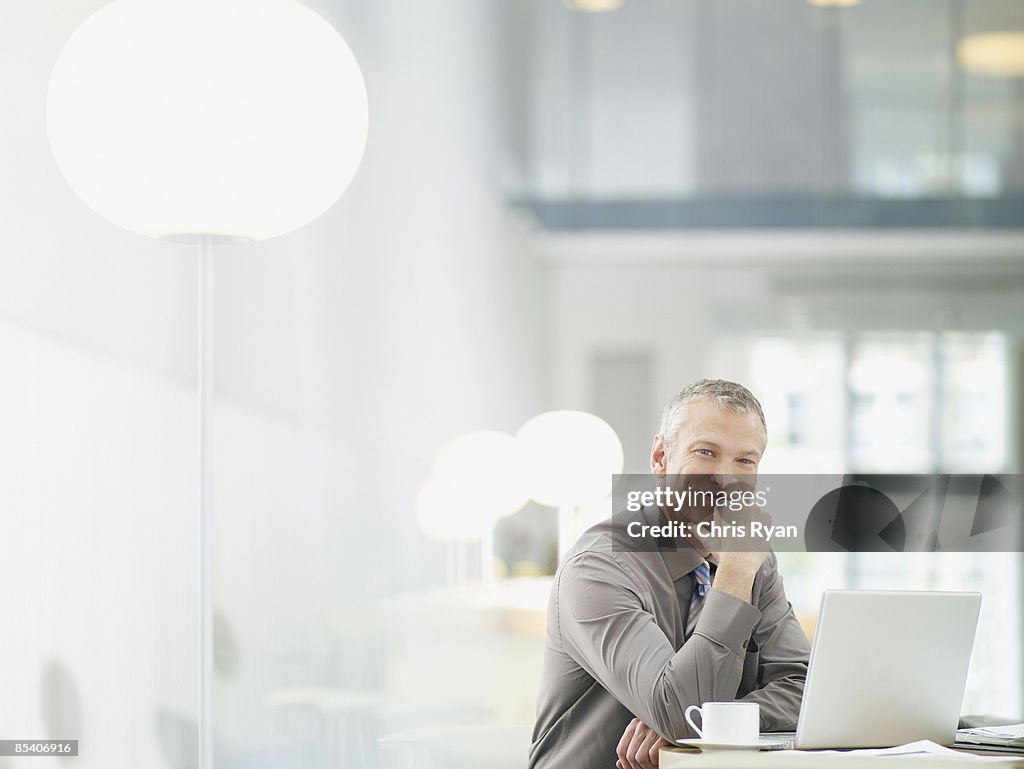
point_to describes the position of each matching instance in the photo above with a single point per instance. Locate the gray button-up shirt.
(615, 648)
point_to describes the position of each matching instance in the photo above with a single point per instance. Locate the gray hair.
(730, 395)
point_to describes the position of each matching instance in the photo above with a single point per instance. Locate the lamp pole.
(566, 528)
(204, 245)
(204, 391)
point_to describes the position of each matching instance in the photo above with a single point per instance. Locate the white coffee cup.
(727, 723)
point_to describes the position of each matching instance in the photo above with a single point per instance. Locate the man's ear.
(659, 457)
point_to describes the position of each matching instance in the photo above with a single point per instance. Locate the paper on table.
(919, 749)
(1010, 730)
(1012, 734)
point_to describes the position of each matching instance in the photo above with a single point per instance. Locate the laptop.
(887, 668)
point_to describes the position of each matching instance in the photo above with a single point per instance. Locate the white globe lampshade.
(570, 457)
(445, 512)
(234, 118)
(488, 468)
(477, 478)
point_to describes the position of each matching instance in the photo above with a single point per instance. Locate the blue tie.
(702, 583)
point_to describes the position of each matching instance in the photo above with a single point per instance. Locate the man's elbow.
(666, 711)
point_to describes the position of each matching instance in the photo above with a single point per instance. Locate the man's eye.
(747, 461)
(706, 452)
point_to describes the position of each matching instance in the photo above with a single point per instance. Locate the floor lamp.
(207, 121)
(571, 458)
(476, 479)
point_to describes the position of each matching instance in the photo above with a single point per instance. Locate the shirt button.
(744, 644)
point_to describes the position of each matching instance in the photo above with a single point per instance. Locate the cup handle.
(693, 726)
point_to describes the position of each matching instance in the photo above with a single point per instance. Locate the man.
(634, 636)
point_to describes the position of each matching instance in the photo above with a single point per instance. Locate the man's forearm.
(779, 701)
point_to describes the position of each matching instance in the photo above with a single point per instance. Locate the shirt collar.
(680, 558)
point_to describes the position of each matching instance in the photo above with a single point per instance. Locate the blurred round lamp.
(488, 468)
(593, 6)
(477, 478)
(242, 119)
(444, 512)
(569, 457)
(998, 54)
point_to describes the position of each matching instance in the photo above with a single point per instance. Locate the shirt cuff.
(727, 620)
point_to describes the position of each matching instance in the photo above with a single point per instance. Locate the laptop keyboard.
(788, 740)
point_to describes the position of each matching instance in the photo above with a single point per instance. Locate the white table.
(680, 758)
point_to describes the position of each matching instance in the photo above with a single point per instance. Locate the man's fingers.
(639, 747)
(643, 753)
(656, 750)
(620, 749)
(633, 751)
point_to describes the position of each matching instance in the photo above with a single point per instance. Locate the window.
(898, 402)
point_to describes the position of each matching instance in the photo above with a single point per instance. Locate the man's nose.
(721, 478)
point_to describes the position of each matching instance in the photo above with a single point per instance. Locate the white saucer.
(759, 745)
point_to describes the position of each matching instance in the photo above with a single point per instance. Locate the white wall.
(98, 560)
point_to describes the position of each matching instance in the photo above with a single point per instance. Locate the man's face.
(714, 448)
